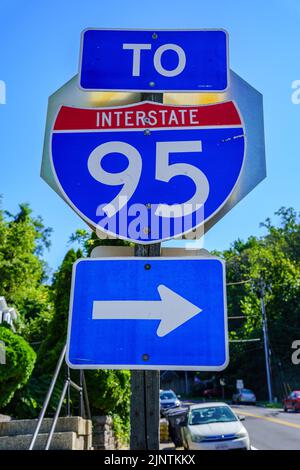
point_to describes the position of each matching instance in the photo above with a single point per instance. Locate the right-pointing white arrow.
(172, 310)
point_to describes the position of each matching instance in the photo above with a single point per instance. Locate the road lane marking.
(273, 420)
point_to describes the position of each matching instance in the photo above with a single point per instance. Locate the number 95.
(130, 177)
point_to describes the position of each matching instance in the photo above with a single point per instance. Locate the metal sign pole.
(144, 404)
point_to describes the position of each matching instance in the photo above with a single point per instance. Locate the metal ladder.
(68, 384)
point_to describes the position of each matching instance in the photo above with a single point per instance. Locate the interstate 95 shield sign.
(147, 172)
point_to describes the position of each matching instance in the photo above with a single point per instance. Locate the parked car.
(213, 426)
(292, 401)
(168, 399)
(244, 396)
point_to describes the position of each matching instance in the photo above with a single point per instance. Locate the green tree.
(19, 363)
(273, 259)
(89, 240)
(55, 339)
(23, 238)
(23, 272)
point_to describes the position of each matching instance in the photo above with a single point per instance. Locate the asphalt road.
(271, 429)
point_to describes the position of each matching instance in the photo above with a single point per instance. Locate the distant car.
(213, 426)
(168, 399)
(244, 396)
(292, 402)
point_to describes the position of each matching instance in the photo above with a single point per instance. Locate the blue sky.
(39, 49)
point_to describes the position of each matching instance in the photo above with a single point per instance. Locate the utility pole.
(186, 379)
(144, 403)
(266, 339)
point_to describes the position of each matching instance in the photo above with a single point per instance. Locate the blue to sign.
(160, 61)
(130, 313)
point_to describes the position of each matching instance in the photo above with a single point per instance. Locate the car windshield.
(212, 414)
(167, 396)
(246, 390)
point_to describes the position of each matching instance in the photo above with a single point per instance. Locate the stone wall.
(103, 434)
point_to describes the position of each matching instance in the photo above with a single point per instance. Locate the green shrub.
(20, 360)
(28, 401)
(109, 394)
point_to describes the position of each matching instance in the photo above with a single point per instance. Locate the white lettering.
(173, 118)
(193, 117)
(118, 115)
(128, 178)
(163, 115)
(140, 118)
(181, 60)
(128, 118)
(106, 119)
(152, 118)
(182, 113)
(136, 63)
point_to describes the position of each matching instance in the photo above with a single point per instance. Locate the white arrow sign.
(173, 310)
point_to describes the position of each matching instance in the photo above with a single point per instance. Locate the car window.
(167, 395)
(246, 390)
(212, 414)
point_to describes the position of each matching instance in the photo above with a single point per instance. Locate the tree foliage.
(89, 240)
(55, 339)
(23, 272)
(274, 260)
(22, 275)
(19, 363)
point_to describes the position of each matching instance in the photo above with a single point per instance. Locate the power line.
(243, 316)
(244, 340)
(238, 282)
